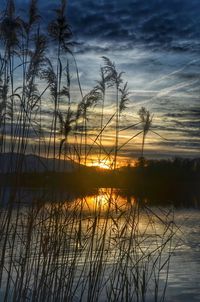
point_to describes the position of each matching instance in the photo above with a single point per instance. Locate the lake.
(103, 247)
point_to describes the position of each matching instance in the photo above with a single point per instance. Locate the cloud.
(170, 24)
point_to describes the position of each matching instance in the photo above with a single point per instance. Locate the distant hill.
(32, 163)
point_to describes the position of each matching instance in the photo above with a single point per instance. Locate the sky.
(156, 43)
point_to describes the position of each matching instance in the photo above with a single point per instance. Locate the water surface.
(110, 228)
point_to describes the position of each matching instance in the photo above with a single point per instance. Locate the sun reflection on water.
(107, 199)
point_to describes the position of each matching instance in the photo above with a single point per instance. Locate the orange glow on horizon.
(107, 164)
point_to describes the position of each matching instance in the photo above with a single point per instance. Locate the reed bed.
(68, 251)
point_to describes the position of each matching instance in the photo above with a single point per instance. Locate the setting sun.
(102, 164)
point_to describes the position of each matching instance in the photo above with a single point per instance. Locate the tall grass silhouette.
(69, 250)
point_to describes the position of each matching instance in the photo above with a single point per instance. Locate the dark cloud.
(167, 24)
(190, 145)
(189, 114)
(170, 24)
